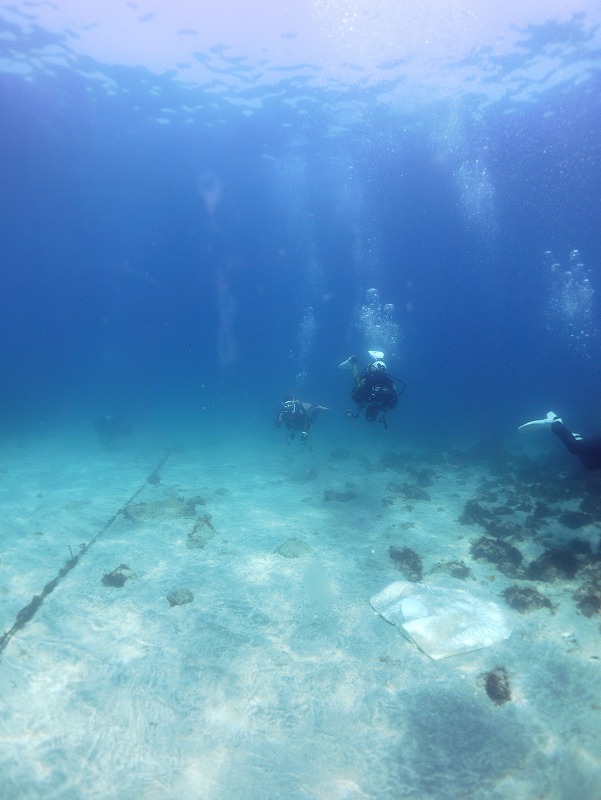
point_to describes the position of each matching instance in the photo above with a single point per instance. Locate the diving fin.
(377, 355)
(348, 364)
(528, 427)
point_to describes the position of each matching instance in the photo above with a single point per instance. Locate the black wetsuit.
(294, 416)
(374, 390)
(587, 450)
(297, 416)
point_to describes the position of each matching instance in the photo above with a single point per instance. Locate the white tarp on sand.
(443, 619)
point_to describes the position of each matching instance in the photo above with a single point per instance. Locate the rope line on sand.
(28, 612)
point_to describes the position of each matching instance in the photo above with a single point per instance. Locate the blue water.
(124, 285)
(181, 255)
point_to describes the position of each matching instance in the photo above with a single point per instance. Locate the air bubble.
(570, 305)
(378, 326)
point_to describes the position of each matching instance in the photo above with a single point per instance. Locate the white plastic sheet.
(443, 619)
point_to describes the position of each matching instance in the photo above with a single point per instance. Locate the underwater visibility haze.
(208, 207)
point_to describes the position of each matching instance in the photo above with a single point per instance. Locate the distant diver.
(297, 417)
(110, 428)
(374, 389)
(588, 450)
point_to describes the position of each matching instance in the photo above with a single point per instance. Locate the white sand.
(278, 680)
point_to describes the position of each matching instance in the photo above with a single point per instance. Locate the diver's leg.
(566, 436)
(587, 450)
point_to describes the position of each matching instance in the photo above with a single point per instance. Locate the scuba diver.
(297, 416)
(588, 450)
(110, 428)
(374, 388)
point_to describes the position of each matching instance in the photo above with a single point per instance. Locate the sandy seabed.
(240, 657)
